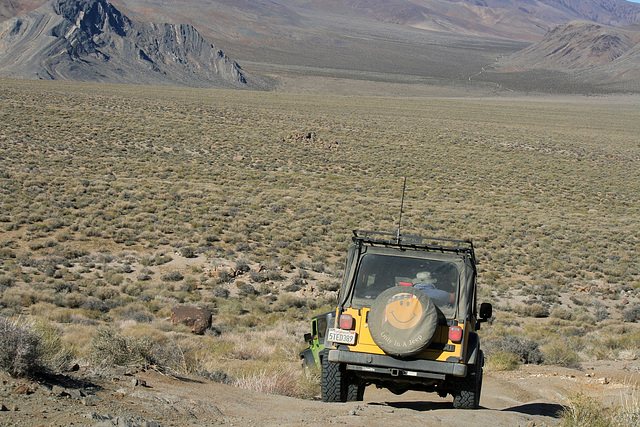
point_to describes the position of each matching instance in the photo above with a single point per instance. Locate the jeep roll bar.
(433, 244)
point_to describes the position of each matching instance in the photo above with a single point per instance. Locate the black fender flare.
(307, 357)
(473, 349)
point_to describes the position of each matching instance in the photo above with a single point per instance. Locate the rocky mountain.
(594, 52)
(526, 20)
(577, 45)
(405, 41)
(608, 12)
(93, 41)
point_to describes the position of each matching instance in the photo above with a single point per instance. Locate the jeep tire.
(355, 390)
(333, 386)
(468, 389)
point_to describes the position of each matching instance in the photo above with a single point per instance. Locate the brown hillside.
(576, 46)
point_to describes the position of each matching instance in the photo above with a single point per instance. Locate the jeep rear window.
(436, 278)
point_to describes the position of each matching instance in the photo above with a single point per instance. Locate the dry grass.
(119, 202)
(582, 410)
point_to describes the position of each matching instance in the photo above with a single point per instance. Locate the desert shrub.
(6, 281)
(527, 350)
(220, 292)
(65, 287)
(559, 352)
(74, 300)
(216, 375)
(174, 276)
(533, 310)
(6, 253)
(94, 304)
(110, 348)
(318, 267)
(113, 278)
(245, 289)
(224, 276)
(308, 386)
(137, 315)
(242, 265)
(158, 259)
(282, 382)
(17, 298)
(20, 352)
(132, 289)
(105, 293)
(145, 274)
(582, 410)
(274, 275)
(502, 360)
(560, 312)
(294, 287)
(631, 314)
(256, 276)
(55, 355)
(287, 301)
(188, 252)
(328, 285)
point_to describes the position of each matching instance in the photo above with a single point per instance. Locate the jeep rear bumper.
(382, 364)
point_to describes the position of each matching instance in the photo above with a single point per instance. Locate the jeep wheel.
(355, 390)
(467, 393)
(332, 384)
(403, 321)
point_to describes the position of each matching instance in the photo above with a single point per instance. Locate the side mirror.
(307, 337)
(486, 311)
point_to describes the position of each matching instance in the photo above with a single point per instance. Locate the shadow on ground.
(545, 409)
(416, 406)
(542, 409)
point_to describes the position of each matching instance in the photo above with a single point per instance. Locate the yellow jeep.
(406, 320)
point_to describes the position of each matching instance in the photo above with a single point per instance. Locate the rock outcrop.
(94, 41)
(196, 318)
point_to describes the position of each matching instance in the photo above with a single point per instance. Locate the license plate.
(341, 336)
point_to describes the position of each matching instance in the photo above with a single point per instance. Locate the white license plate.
(341, 336)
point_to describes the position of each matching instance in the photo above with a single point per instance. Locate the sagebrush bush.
(582, 410)
(111, 348)
(174, 276)
(20, 351)
(55, 355)
(558, 352)
(280, 381)
(631, 314)
(501, 360)
(526, 350)
(6, 281)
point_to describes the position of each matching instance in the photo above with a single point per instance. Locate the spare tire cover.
(403, 321)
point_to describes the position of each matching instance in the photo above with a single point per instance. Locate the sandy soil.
(531, 396)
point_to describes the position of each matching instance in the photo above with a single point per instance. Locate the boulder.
(196, 318)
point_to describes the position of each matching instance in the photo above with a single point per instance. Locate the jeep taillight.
(346, 322)
(455, 333)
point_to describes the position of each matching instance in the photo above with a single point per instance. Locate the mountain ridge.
(593, 52)
(437, 42)
(93, 41)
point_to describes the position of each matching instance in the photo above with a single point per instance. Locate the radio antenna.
(404, 185)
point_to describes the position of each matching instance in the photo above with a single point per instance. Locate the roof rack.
(436, 244)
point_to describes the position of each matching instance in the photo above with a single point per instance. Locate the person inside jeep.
(425, 282)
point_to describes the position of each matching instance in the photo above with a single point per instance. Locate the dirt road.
(530, 396)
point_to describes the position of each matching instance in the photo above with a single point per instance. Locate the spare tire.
(403, 321)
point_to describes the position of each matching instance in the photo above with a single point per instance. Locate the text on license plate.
(341, 336)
